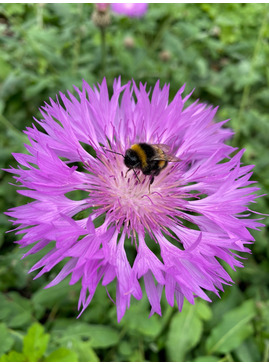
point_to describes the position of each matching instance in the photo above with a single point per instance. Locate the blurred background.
(221, 50)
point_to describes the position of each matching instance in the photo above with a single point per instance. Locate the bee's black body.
(149, 158)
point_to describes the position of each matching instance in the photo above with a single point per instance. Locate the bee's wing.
(166, 149)
(165, 157)
(164, 153)
(171, 158)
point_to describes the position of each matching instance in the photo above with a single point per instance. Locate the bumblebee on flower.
(187, 184)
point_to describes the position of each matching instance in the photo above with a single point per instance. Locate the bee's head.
(131, 159)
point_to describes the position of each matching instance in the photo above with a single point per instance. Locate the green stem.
(228, 357)
(223, 359)
(53, 313)
(159, 35)
(40, 15)
(77, 42)
(103, 50)
(266, 352)
(246, 91)
(141, 350)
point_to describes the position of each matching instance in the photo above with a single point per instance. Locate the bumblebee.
(151, 159)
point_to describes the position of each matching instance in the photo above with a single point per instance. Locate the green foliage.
(98, 336)
(62, 355)
(180, 338)
(137, 323)
(233, 329)
(35, 344)
(206, 358)
(220, 49)
(6, 340)
(15, 310)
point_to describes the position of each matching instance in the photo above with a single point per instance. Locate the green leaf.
(4, 68)
(248, 351)
(203, 310)
(6, 340)
(15, 310)
(84, 351)
(13, 356)
(62, 355)
(11, 85)
(126, 348)
(136, 319)
(207, 358)
(37, 87)
(13, 9)
(99, 336)
(233, 329)
(184, 333)
(103, 336)
(35, 342)
(55, 295)
(231, 298)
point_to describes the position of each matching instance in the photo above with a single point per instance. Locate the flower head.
(177, 228)
(102, 7)
(101, 15)
(133, 10)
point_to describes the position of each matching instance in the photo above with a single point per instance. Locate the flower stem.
(77, 42)
(103, 50)
(266, 352)
(160, 32)
(40, 15)
(246, 90)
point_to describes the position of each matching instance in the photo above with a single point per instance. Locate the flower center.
(129, 198)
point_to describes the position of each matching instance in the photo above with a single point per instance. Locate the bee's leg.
(127, 172)
(134, 173)
(150, 182)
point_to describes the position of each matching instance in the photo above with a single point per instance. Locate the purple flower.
(102, 7)
(133, 10)
(177, 228)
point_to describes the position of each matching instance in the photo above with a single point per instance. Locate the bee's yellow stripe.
(141, 154)
(162, 164)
